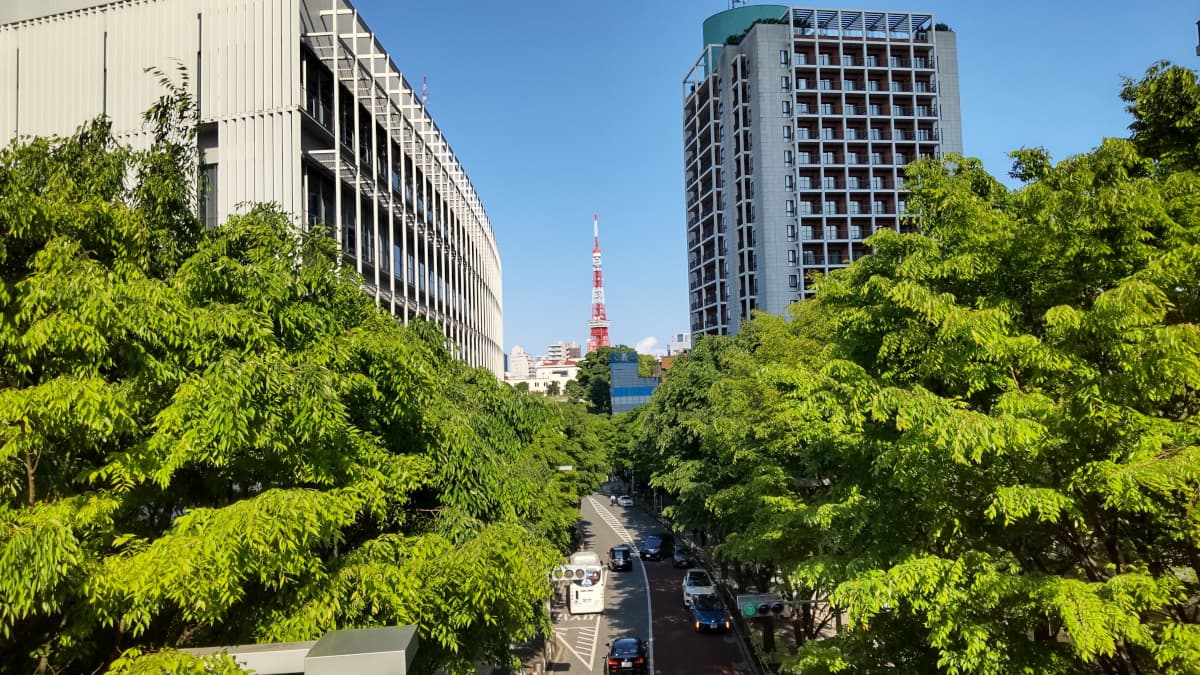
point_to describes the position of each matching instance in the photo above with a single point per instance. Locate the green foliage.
(980, 441)
(214, 437)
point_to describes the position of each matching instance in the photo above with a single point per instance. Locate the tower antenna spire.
(598, 335)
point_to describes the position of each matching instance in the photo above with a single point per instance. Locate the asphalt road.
(646, 602)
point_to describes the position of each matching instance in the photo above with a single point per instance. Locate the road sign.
(759, 605)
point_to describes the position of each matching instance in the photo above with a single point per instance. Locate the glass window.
(783, 57)
(786, 107)
(208, 197)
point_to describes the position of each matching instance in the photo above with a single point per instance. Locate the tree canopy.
(980, 441)
(214, 437)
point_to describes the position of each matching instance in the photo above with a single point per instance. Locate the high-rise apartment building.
(563, 351)
(797, 125)
(299, 105)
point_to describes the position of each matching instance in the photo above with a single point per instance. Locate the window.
(850, 85)
(852, 182)
(854, 208)
(826, 108)
(787, 132)
(806, 208)
(872, 85)
(793, 279)
(784, 82)
(806, 232)
(872, 60)
(874, 109)
(788, 157)
(802, 83)
(852, 158)
(789, 183)
(789, 207)
(824, 59)
(901, 158)
(802, 108)
(877, 182)
(852, 134)
(830, 207)
(802, 133)
(826, 84)
(800, 59)
(208, 197)
(900, 206)
(879, 207)
(829, 183)
(791, 232)
(922, 134)
(876, 134)
(786, 107)
(791, 257)
(831, 232)
(851, 109)
(877, 158)
(783, 57)
(922, 111)
(828, 158)
(827, 133)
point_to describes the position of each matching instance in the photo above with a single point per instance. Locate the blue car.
(709, 613)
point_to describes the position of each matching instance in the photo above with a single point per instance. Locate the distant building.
(540, 372)
(520, 365)
(563, 351)
(680, 343)
(628, 390)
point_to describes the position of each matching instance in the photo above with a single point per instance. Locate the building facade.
(298, 105)
(627, 389)
(797, 125)
(680, 343)
(563, 351)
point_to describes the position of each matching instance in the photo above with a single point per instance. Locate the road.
(645, 602)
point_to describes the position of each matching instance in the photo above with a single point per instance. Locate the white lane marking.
(587, 645)
(616, 526)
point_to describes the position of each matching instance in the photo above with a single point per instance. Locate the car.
(684, 558)
(709, 613)
(696, 582)
(624, 500)
(656, 546)
(620, 557)
(627, 655)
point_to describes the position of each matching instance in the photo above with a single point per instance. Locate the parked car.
(624, 500)
(627, 655)
(709, 613)
(684, 558)
(657, 546)
(697, 582)
(620, 557)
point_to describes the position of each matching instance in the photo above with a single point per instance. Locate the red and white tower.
(599, 323)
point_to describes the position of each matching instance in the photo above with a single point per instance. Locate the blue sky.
(559, 109)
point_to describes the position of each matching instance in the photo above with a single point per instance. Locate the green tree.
(980, 439)
(214, 437)
(552, 389)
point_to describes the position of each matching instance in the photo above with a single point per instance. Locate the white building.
(299, 105)
(520, 365)
(563, 351)
(679, 344)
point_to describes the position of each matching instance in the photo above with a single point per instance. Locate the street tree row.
(213, 437)
(980, 442)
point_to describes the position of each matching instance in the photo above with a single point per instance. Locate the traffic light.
(760, 605)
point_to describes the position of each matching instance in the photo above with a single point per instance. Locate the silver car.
(697, 582)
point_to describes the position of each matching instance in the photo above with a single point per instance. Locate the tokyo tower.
(599, 323)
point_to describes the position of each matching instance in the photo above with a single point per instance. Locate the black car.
(684, 558)
(620, 558)
(657, 546)
(627, 655)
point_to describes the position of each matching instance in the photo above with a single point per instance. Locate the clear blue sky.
(559, 109)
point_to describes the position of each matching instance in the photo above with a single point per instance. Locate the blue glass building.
(628, 389)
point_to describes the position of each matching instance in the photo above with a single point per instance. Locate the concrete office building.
(797, 125)
(563, 351)
(299, 105)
